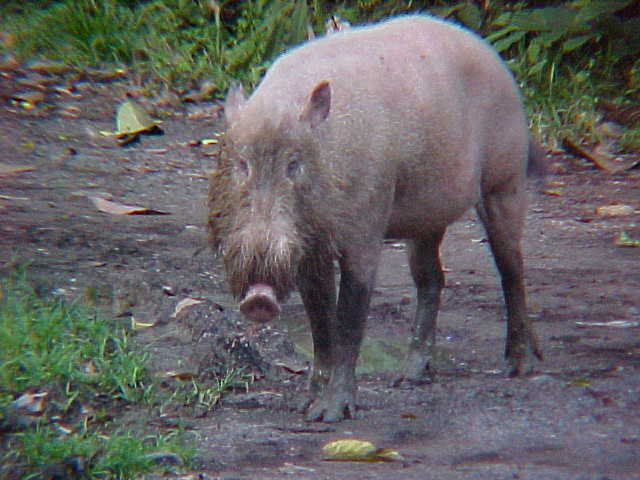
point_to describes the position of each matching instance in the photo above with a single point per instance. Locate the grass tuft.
(47, 343)
(68, 377)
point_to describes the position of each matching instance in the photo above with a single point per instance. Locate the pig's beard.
(261, 254)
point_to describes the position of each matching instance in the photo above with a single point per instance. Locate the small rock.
(164, 458)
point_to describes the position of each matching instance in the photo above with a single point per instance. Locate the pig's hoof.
(260, 304)
(416, 371)
(331, 411)
(404, 381)
(521, 358)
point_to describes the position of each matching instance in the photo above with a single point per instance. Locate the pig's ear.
(317, 108)
(234, 101)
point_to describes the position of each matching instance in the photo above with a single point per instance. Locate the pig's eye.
(293, 167)
(243, 167)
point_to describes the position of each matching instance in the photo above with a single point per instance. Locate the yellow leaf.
(136, 325)
(580, 382)
(615, 211)
(354, 450)
(350, 449)
(132, 118)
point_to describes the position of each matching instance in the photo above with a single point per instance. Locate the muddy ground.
(577, 416)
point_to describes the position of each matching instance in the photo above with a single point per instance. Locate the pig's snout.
(260, 303)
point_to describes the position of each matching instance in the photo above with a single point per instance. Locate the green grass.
(168, 44)
(46, 343)
(91, 376)
(566, 57)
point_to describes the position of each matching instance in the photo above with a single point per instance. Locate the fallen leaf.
(9, 197)
(349, 449)
(389, 455)
(610, 324)
(104, 75)
(296, 369)
(31, 401)
(33, 96)
(6, 170)
(132, 118)
(136, 325)
(580, 382)
(355, 450)
(62, 428)
(183, 376)
(115, 208)
(168, 290)
(615, 211)
(206, 90)
(552, 192)
(90, 368)
(184, 303)
(600, 157)
(8, 62)
(50, 68)
(624, 240)
(156, 151)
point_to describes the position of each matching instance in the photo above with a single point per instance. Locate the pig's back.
(406, 64)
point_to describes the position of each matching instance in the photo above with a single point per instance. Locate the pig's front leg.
(338, 400)
(317, 287)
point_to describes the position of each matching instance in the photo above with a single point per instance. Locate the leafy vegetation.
(567, 56)
(570, 56)
(63, 370)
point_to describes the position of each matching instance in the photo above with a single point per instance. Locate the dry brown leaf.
(8, 62)
(182, 376)
(408, 415)
(115, 208)
(90, 368)
(31, 401)
(184, 303)
(47, 67)
(602, 158)
(296, 369)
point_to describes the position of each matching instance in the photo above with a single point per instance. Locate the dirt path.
(576, 417)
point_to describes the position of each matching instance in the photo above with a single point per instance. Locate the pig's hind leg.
(502, 212)
(426, 270)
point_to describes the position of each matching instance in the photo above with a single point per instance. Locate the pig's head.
(260, 219)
